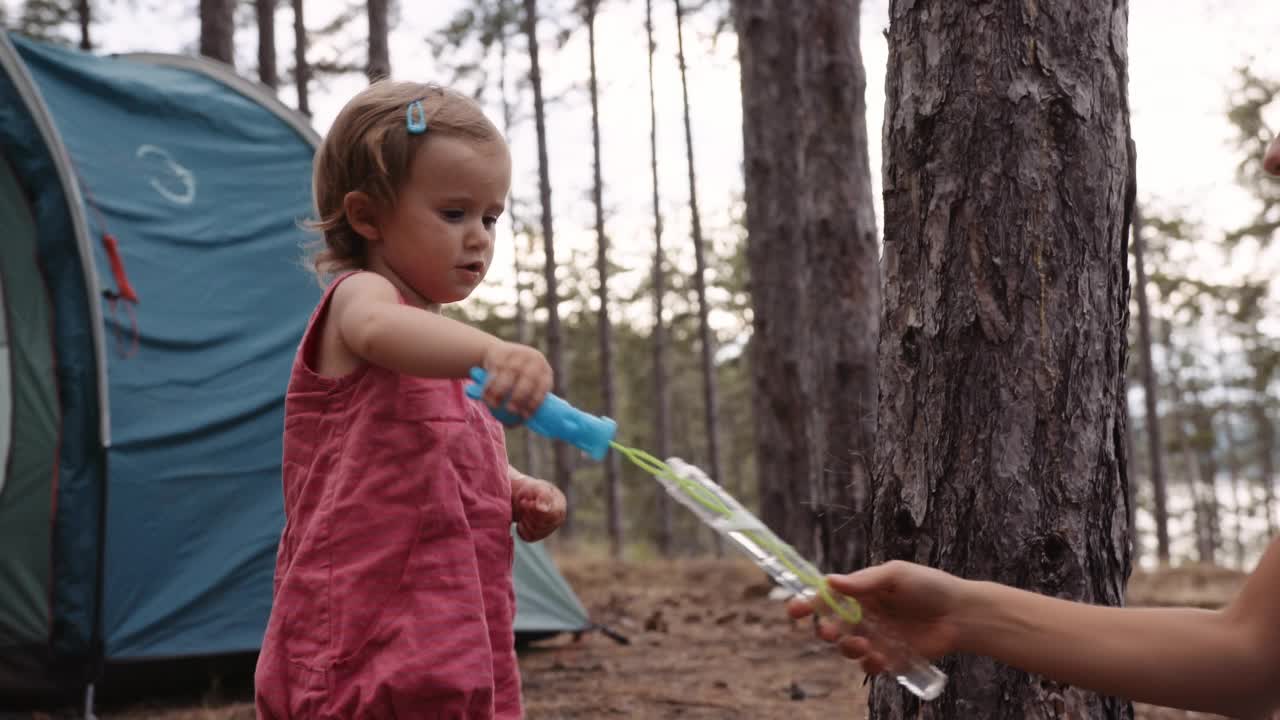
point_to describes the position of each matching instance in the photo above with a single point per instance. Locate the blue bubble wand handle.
(555, 419)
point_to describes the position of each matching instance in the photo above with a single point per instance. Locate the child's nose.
(1271, 161)
(477, 236)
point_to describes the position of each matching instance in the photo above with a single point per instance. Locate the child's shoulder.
(362, 285)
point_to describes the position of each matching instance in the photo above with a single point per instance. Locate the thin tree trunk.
(1267, 450)
(814, 266)
(528, 461)
(266, 10)
(699, 278)
(86, 18)
(612, 489)
(1237, 506)
(1008, 189)
(1207, 464)
(217, 30)
(662, 401)
(1185, 422)
(379, 53)
(1150, 396)
(301, 68)
(555, 350)
(1233, 461)
(1135, 537)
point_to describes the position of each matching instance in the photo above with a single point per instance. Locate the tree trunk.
(613, 501)
(1008, 187)
(1233, 462)
(85, 16)
(379, 54)
(555, 350)
(301, 68)
(1150, 389)
(217, 30)
(662, 400)
(1207, 461)
(267, 42)
(1135, 537)
(700, 279)
(814, 264)
(528, 460)
(1267, 450)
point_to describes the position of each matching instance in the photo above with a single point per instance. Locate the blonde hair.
(369, 149)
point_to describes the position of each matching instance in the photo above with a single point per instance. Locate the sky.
(1181, 52)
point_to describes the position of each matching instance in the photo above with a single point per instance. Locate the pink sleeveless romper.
(393, 593)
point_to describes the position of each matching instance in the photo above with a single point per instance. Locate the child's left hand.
(537, 507)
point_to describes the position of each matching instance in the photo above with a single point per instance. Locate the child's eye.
(490, 221)
(453, 214)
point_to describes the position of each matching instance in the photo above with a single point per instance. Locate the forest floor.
(705, 642)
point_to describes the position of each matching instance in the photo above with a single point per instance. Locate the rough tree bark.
(814, 264)
(1008, 186)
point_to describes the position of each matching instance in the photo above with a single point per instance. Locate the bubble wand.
(719, 510)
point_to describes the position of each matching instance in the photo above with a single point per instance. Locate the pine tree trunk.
(1008, 189)
(662, 400)
(85, 16)
(1233, 464)
(612, 489)
(301, 68)
(528, 461)
(700, 279)
(217, 30)
(1207, 461)
(555, 350)
(379, 53)
(266, 10)
(814, 264)
(1150, 390)
(1267, 452)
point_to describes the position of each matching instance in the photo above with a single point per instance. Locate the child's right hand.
(919, 604)
(518, 375)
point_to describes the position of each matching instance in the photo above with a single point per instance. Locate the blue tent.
(153, 297)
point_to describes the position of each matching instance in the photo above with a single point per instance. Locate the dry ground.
(705, 642)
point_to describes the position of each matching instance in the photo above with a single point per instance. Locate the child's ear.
(361, 216)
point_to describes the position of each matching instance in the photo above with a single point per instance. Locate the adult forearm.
(1187, 658)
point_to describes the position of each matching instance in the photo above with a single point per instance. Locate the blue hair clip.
(417, 125)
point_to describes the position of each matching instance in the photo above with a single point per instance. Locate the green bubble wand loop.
(719, 510)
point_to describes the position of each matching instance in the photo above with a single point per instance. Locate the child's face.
(438, 240)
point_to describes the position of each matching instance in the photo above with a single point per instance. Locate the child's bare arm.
(377, 328)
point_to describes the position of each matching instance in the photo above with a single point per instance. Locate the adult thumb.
(862, 582)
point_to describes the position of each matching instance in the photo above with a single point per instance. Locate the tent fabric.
(544, 601)
(154, 518)
(28, 425)
(33, 149)
(204, 190)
